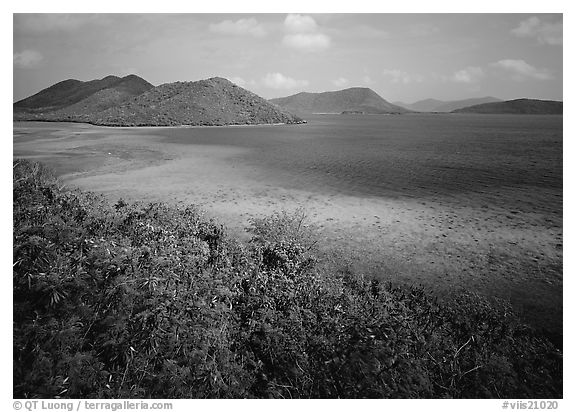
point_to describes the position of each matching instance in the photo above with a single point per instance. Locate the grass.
(151, 301)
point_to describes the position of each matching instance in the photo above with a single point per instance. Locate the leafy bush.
(134, 301)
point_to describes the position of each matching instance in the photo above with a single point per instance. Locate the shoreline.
(183, 126)
(440, 243)
(167, 258)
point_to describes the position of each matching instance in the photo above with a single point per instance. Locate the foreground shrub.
(132, 301)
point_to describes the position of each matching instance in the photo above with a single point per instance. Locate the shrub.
(134, 301)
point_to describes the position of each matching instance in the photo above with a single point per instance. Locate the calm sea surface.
(411, 155)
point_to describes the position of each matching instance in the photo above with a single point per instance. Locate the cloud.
(296, 23)
(279, 81)
(340, 82)
(242, 27)
(399, 76)
(303, 34)
(520, 70)
(49, 22)
(307, 42)
(27, 59)
(470, 74)
(543, 32)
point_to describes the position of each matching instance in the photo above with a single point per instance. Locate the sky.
(403, 57)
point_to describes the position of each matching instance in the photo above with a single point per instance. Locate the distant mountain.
(518, 106)
(353, 100)
(131, 101)
(434, 105)
(427, 105)
(459, 104)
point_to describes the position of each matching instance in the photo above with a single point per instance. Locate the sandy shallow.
(443, 244)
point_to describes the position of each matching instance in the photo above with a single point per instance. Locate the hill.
(210, 102)
(69, 92)
(132, 101)
(434, 105)
(120, 92)
(76, 100)
(459, 104)
(427, 105)
(518, 106)
(352, 100)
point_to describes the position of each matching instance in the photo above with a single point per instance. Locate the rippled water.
(411, 155)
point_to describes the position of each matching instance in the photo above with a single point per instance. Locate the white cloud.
(470, 74)
(399, 76)
(27, 58)
(520, 70)
(296, 23)
(279, 81)
(543, 32)
(241, 27)
(340, 82)
(303, 34)
(307, 42)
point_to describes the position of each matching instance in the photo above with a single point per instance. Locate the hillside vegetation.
(355, 99)
(74, 99)
(132, 101)
(137, 301)
(518, 106)
(211, 102)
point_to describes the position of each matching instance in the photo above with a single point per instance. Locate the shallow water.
(413, 155)
(441, 200)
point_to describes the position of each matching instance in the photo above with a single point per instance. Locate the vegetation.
(518, 106)
(132, 101)
(354, 99)
(74, 100)
(134, 301)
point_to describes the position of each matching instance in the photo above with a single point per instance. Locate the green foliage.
(134, 301)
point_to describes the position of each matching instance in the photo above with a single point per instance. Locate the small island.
(132, 101)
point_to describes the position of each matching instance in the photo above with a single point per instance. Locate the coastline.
(183, 126)
(443, 245)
